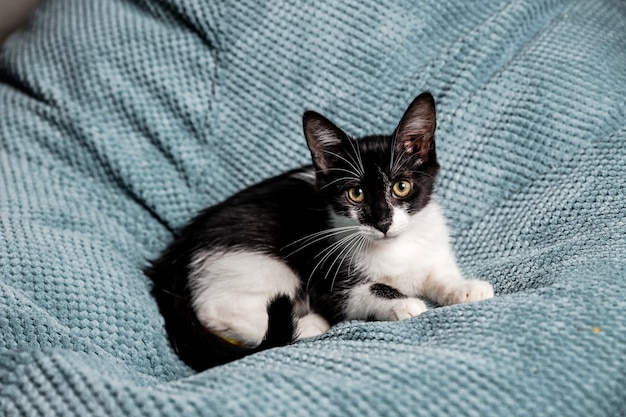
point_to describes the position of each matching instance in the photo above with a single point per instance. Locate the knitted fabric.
(120, 119)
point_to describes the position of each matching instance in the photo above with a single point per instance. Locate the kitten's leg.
(446, 286)
(231, 291)
(374, 301)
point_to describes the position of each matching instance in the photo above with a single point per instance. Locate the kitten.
(356, 235)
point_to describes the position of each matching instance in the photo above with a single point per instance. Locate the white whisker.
(344, 179)
(393, 151)
(344, 250)
(357, 153)
(396, 161)
(350, 250)
(329, 251)
(318, 236)
(354, 167)
(416, 171)
(366, 244)
(343, 170)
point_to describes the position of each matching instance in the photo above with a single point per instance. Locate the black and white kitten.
(357, 235)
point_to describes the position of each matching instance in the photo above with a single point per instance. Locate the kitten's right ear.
(323, 138)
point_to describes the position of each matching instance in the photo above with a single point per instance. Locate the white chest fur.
(415, 259)
(418, 245)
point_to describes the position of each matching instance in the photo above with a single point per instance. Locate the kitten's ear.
(415, 133)
(323, 138)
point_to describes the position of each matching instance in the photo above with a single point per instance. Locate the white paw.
(470, 291)
(243, 322)
(406, 308)
(311, 325)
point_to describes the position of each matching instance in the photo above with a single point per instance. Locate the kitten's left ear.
(415, 133)
(324, 139)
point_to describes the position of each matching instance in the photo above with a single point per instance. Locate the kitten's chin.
(380, 237)
(383, 240)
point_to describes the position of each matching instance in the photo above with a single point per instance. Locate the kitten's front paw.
(406, 308)
(469, 291)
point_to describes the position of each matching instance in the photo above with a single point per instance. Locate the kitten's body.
(355, 236)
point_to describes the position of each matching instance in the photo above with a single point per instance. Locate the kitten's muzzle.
(383, 226)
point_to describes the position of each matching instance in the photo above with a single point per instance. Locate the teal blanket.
(120, 119)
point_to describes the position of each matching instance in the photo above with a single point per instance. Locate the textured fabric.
(120, 119)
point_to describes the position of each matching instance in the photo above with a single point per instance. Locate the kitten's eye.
(356, 194)
(401, 188)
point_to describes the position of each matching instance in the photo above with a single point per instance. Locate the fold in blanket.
(121, 119)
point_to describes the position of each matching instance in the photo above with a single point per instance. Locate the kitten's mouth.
(376, 235)
(379, 236)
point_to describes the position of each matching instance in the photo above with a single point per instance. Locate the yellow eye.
(356, 194)
(401, 188)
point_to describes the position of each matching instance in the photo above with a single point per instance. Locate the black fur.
(385, 291)
(266, 217)
(272, 215)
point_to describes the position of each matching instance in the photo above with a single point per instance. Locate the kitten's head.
(377, 182)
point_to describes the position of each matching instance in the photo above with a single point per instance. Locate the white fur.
(416, 259)
(363, 305)
(416, 246)
(311, 325)
(417, 124)
(327, 137)
(232, 289)
(306, 175)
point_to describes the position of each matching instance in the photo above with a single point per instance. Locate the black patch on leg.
(385, 291)
(281, 323)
